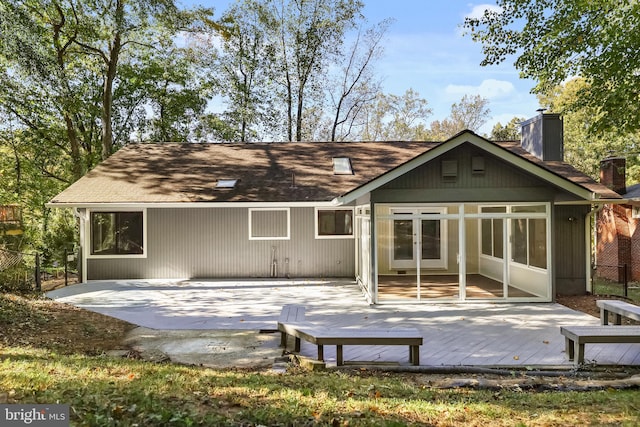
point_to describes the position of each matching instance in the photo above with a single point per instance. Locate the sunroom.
(455, 252)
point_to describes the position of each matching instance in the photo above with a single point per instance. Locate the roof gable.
(558, 174)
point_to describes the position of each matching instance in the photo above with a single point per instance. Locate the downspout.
(83, 249)
(588, 239)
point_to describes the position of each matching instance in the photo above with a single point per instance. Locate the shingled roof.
(266, 172)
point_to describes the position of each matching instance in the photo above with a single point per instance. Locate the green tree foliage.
(78, 79)
(508, 132)
(243, 73)
(356, 85)
(274, 62)
(555, 40)
(24, 181)
(308, 35)
(396, 118)
(470, 113)
(583, 149)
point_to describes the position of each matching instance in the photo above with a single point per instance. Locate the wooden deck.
(470, 334)
(443, 286)
(490, 335)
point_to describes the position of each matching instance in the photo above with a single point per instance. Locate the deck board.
(442, 286)
(504, 335)
(478, 333)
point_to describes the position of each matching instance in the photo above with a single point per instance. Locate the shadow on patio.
(472, 334)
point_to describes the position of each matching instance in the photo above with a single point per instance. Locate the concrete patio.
(481, 334)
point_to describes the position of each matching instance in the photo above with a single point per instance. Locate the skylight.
(342, 166)
(226, 183)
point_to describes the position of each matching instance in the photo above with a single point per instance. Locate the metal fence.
(23, 271)
(19, 270)
(614, 280)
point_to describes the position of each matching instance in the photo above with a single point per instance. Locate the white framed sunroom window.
(334, 223)
(529, 236)
(269, 224)
(117, 233)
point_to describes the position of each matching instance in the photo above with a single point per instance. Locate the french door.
(418, 239)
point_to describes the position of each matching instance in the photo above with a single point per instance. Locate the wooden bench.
(291, 316)
(619, 308)
(299, 328)
(339, 337)
(577, 336)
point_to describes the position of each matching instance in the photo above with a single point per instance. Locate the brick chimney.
(613, 174)
(542, 136)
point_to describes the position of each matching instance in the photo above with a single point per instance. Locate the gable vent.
(449, 169)
(477, 165)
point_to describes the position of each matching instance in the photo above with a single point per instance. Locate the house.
(466, 219)
(618, 226)
(10, 220)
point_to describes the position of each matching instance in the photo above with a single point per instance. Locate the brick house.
(618, 226)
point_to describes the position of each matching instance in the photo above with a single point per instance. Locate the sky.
(425, 50)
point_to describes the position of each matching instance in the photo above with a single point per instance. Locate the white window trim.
(88, 244)
(287, 237)
(508, 216)
(491, 216)
(528, 263)
(334, 236)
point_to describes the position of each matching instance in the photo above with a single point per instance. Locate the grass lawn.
(106, 391)
(605, 287)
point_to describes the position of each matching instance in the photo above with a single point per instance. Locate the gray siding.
(570, 250)
(268, 223)
(214, 243)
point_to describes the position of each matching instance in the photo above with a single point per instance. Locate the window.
(117, 233)
(269, 224)
(537, 243)
(332, 223)
(492, 233)
(226, 183)
(417, 239)
(342, 166)
(530, 242)
(492, 237)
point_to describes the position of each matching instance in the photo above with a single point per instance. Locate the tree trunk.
(299, 114)
(289, 108)
(107, 93)
(336, 119)
(76, 158)
(107, 97)
(17, 167)
(72, 135)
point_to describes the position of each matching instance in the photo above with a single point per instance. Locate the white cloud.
(490, 89)
(478, 11)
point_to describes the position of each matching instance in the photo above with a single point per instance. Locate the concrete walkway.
(479, 334)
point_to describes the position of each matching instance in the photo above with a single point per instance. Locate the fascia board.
(534, 169)
(481, 143)
(402, 169)
(133, 205)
